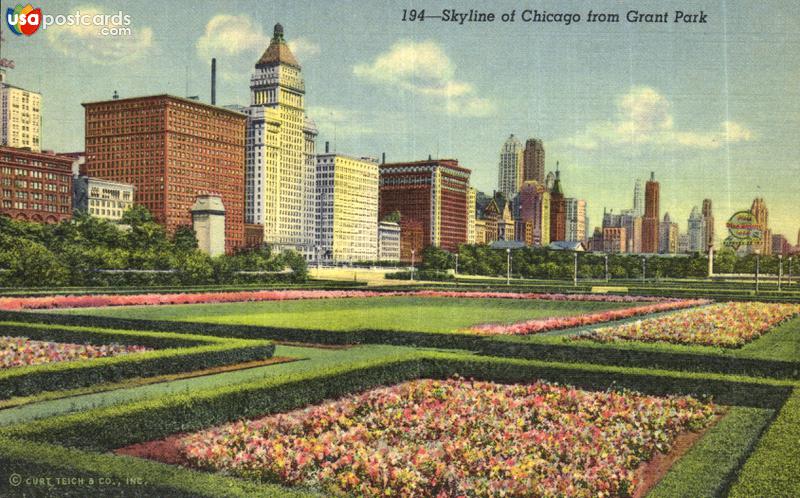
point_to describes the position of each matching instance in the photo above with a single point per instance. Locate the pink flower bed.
(456, 438)
(21, 351)
(53, 302)
(567, 322)
(726, 324)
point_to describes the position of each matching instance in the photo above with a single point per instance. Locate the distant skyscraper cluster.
(529, 206)
(250, 175)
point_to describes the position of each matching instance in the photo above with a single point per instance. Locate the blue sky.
(713, 109)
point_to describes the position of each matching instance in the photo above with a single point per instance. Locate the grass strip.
(772, 469)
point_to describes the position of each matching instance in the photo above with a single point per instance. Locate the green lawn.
(412, 314)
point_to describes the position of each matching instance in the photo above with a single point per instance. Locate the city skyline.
(610, 102)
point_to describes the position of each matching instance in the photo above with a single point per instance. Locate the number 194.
(413, 15)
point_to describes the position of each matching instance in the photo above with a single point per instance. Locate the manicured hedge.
(28, 459)
(773, 468)
(29, 446)
(184, 353)
(710, 466)
(665, 356)
(661, 356)
(152, 419)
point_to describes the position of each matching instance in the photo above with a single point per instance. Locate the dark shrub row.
(183, 353)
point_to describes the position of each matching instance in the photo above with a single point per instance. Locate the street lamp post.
(456, 263)
(789, 280)
(575, 270)
(644, 269)
(758, 268)
(508, 266)
(412, 263)
(780, 270)
(316, 250)
(606, 258)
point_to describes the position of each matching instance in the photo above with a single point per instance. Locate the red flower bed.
(54, 302)
(21, 351)
(568, 322)
(456, 438)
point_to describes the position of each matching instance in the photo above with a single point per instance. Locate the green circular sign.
(743, 225)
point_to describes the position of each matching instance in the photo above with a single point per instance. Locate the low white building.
(388, 241)
(101, 198)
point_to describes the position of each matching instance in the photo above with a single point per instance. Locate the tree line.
(89, 251)
(543, 263)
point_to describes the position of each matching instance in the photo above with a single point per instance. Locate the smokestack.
(327, 147)
(383, 158)
(214, 81)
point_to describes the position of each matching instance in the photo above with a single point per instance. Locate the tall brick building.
(431, 197)
(35, 186)
(172, 150)
(650, 222)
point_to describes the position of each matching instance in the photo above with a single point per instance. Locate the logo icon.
(23, 20)
(744, 230)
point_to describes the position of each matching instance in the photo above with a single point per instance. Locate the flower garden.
(378, 405)
(457, 438)
(544, 325)
(91, 301)
(21, 351)
(727, 325)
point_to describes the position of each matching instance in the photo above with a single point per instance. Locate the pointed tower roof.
(557, 183)
(278, 51)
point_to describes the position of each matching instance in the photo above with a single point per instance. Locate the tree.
(435, 258)
(185, 239)
(29, 263)
(136, 215)
(393, 217)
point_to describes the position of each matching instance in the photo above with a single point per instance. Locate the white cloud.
(424, 69)
(644, 117)
(227, 34)
(88, 42)
(230, 35)
(303, 48)
(342, 121)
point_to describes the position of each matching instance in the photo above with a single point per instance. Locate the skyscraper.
(558, 210)
(650, 232)
(708, 224)
(575, 219)
(632, 224)
(20, 117)
(347, 208)
(638, 198)
(471, 200)
(668, 236)
(549, 181)
(533, 161)
(534, 214)
(280, 181)
(431, 197)
(509, 170)
(171, 150)
(696, 231)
